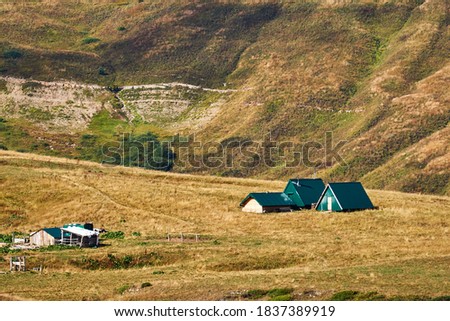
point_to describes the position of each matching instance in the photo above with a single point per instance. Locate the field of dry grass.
(401, 249)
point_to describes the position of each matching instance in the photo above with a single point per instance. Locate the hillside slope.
(374, 73)
(311, 254)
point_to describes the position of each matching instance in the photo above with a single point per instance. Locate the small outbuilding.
(46, 236)
(304, 191)
(345, 196)
(72, 234)
(267, 202)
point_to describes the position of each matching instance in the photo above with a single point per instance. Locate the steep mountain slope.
(374, 73)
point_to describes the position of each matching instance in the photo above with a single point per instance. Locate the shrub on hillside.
(344, 296)
(114, 262)
(284, 297)
(122, 289)
(114, 235)
(12, 54)
(102, 71)
(8, 250)
(279, 292)
(254, 294)
(140, 151)
(89, 40)
(31, 86)
(5, 238)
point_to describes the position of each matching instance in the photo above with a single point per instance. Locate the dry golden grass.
(401, 249)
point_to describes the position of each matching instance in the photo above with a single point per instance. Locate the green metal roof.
(269, 199)
(55, 232)
(350, 195)
(308, 190)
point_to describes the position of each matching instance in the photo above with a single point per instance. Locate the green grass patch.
(284, 297)
(122, 289)
(5, 238)
(57, 247)
(254, 294)
(89, 40)
(344, 296)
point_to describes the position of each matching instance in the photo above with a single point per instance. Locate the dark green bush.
(344, 296)
(121, 28)
(285, 297)
(279, 292)
(102, 71)
(12, 54)
(370, 296)
(254, 294)
(5, 238)
(145, 285)
(89, 40)
(114, 262)
(30, 86)
(7, 250)
(114, 235)
(120, 263)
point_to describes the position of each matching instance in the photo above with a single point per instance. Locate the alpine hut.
(267, 202)
(342, 197)
(304, 192)
(71, 234)
(79, 236)
(46, 236)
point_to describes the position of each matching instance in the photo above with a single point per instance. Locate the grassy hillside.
(133, 43)
(374, 73)
(308, 255)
